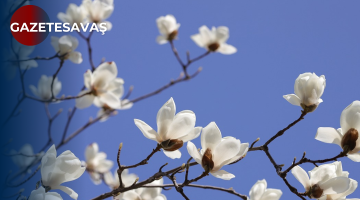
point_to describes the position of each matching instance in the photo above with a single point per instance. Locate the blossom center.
(172, 35)
(207, 161)
(315, 191)
(348, 141)
(214, 46)
(172, 145)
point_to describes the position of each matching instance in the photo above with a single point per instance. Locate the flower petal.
(165, 116)
(194, 133)
(192, 150)
(146, 130)
(335, 185)
(67, 190)
(211, 136)
(226, 49)
(271, 194)
(328, 135)
(223, 175)
(181, 125)
(293, 99)
(301, 176)
(258, 190)
(84, 101)
(75, 57)
(225, 151)
(354, 157)
(173, 154)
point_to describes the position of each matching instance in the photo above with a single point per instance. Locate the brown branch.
(145, 161)
(173, 82)
(87, 39)
(54, 76)
(230, 190)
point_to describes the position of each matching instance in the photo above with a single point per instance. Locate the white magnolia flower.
(214, 40)
(103, 88)
(347, 137)
(20, 158)
(168, 28)
(260, 192)
(98, 11)
(308, 90)
(43, 91)
(327, 179)
(57, 170)
(217, 151)
(67, 45)
(96, 162)
(112, 180)
(14, 56)
(342, 196)
(74, 15)
(144, 193)
(40, 194)
(173, 130)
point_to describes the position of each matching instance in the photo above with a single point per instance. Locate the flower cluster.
(213, 40)
(95, 11)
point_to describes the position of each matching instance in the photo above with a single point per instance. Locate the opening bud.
(348, 142)
(308, 109)
(206, 161)
(213, 46)
(173, 35)
(315, 191)
(172, 145)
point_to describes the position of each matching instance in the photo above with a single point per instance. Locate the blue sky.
(242, 93)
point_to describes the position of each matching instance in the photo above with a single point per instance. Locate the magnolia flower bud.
(308, 89)
(172, 145)
(207, 161)
(315, 191)
(348, 142)
(173, 35)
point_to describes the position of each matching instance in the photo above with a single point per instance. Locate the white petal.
(173, 154)
(226, 49)
(91, 151)
(108, 25)
(146, 130)
(53, 196)
(242, 152)
(161, 39)
(194, 133)
(211, 136)
(165, 116)
(293, 99)
(301, 176)
(85, 101)
(272, 194)
(223, 175)
(328, 135)
(67, 190)
(198, 40)
(225, 151)
(110, 99)
(354, 157)
(107, 66)
(258, 190)
(181, 125)
(222, 34)
(75, 57)
(335, 185)
(192, 150)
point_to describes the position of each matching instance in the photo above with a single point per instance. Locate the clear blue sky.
(242, 93)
